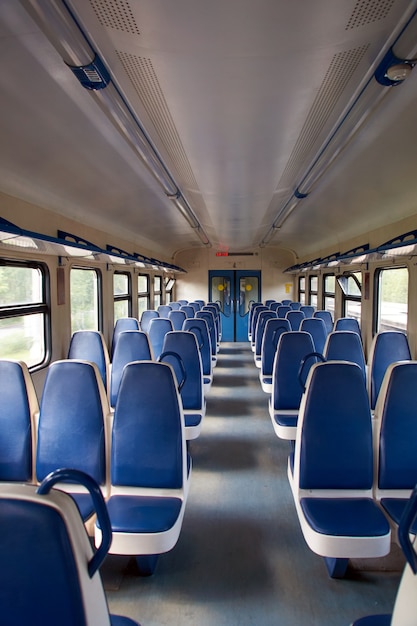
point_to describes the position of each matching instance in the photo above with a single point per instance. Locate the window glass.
(122, 295)
(157, 291)
(84, 286)
(329, 286)
(392, 300)
(302, 289)
(143, 293)
(24, 313)
(313, 287)
(351, 286)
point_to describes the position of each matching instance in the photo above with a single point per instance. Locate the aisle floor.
(241, 559)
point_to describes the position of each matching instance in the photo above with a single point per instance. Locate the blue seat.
(158, 328)
(286, 302)
(146, 318)
(327, 318)
(122, 324)
(405, 607)
(73, 420)
(50, 574)
(211, 325)
(295, 317)
(177, 318)
(252, 310)
(308, 310)
(149, 467)
(274, 306)
(283, 310)
(269, 302)
(183, 302)
(295, 306)
(214, 308)
(295, 350)
(386, 348)
(331, 470)
(195, 305)
(395, 433)
(200, 329)
(164, 310)
(188, 310)
(317, 329)
(273, 330)
(263, 317)
(18, 407)
(133, 345)
(181, 351)
(348, 323)
(254, 320)
(89, 345)
(200, 302)
(175, 306)
(345, 345)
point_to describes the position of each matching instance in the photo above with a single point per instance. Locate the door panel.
(234, 290)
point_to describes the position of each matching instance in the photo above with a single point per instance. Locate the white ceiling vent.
(115, 14)
(369, 11)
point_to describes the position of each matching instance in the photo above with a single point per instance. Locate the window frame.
(98, 273)
(127, 296)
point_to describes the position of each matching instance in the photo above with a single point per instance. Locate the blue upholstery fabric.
(273, 330)
(211, 324)
(188, 310)
(295, 306)
(274, 306)
(348, 323)
(326, 316)
(295, 317)
(177, 318)
(184, 344)
(195, 305)
(132, 345)
(199, 327)
(164, 310)
(292, 348)
(317, 329)
(336, 436)
(263, 317)
(283, 310)
(89, 345)
(15, 424)
(374, 620)
(142, 514)
(350, 517)
(147, 430)
(308, 310)
(254, 318)
(395, 508)
(158, 328)
(175, 306)
(345, 346)
(388, 347)
(122, 324)
(71, 421)
(214, 308)
(146, 318)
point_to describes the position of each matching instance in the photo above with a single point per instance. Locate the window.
(169, 286)
(157, 291)
(143, 293)
(312, 290)
(85, 301)
(24, 312)
(122, 295)
(351, 286)
(302, 289)
(329, 286)
(392, 299)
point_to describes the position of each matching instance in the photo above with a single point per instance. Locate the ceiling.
(265, 114)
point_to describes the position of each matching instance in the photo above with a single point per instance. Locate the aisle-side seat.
(273, 330)
(345, 345)
(132, 345)
(263, 317)
(327, 318)
(199, 327)
(331, 470)
(90, 345)
(158, 328)
(122, 324)
(146, 318)
(317, 329)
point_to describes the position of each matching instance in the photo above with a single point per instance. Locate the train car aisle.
(241, 558)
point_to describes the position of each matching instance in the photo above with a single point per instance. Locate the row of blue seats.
(351, 475)
(137, 455)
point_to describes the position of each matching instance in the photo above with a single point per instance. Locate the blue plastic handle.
(76, 476)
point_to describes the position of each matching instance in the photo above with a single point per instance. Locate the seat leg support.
(147, 564)
(336, 567)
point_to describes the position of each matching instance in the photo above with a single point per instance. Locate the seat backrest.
(308, 310)
(188, 310)
(183, 302)
(148, 441)
(317, 329)
(132, 345)
(295, 306)
(258, 310)
(287, 387)
(175, 306)
(274, 328)
(199, 327)
(187, 365)
(17, 429)
(211, 324)
(327, 318)
(177, 318)
(348, 323)
(396, 427)
(252, 310)
(295, 318)
(146, 318)
(283, 310)
(200, 302)
(269, 302)
(164, 310)
(158, 328)
(386, 348)
(286, 302)
(274, 305)
(216, 314)
(195, 305)
(263, 317)
(73, 412)
(89, 345)
(122, 324)
(333, 447)
(49, 572)
(345, 345)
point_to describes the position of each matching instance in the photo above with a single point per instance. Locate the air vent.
(145, 81)
(339, 73)
(115, 14)
(369, 11)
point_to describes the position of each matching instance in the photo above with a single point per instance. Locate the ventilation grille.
(369, 11)
(341, 70)
(142, 75)
(115, 14)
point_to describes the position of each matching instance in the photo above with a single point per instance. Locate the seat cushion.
(286, 420)
(192, 419)
(395, 508)
(373, 620)
(350, 517)
(143, 514)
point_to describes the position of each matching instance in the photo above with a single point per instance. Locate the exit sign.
(222, 253)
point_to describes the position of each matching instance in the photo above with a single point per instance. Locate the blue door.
(234, 291)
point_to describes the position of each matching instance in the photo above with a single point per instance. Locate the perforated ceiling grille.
(369, 11)
(146, 84)
(340, 71)
(115, 14)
